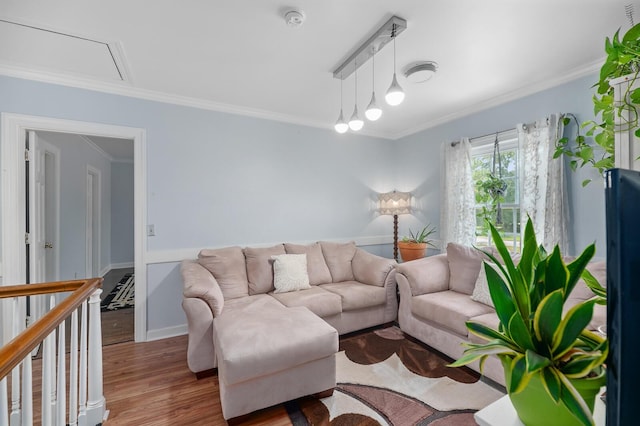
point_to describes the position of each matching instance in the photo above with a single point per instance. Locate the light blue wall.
(122, 204)
(420, 160)
(217, 179)
(75, 156)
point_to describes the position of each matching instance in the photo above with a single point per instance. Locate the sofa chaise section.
(348, 288)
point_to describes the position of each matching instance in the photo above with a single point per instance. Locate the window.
(482, 154)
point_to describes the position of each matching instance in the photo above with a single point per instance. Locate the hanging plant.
(495, 187)
(623, 59)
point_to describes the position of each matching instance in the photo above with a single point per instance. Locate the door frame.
(13, 128)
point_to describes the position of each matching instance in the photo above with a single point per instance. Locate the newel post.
(95, 401)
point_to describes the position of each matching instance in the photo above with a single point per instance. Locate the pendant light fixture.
(341, 126)
(356, 123)
(395, 94)
(373, 111)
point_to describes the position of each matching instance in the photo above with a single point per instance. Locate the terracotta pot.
(412, 251)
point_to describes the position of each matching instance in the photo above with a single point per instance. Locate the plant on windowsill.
(623, 60)
(553, 365)
(415, 245)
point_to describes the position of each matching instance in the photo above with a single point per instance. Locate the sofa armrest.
(371, 269)
(199, 283)
(426, 275)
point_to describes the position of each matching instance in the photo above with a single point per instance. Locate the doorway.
(14, 128)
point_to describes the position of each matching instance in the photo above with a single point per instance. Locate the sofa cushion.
(316, 266)
(290, 272)
(464, 267)
(270, 340)
(356, 295)
(481, 291)
(371, 269)
(228, 268)
(338, 257)
(319, 301)
(260, 268)
(449, 309)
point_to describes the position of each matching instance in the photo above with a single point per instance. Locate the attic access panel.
(39, 48)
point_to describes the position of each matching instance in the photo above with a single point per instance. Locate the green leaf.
(548, 316)
(535, 362)
(487, 333)
(556, 275)
(519, 290)
(519, 332)
(586, 182)
(593, 284)
(576, 268)
(579, 366)
(574, 402)
(571, 326)
(633, 34)
(474, 352)
(551, 383)
(518, 377)
(500, 295)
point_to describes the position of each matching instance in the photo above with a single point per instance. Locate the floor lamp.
(395, 203)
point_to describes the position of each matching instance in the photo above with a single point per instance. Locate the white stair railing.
(82, 383)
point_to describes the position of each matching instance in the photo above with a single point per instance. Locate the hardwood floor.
(117, 326)
(150, 384)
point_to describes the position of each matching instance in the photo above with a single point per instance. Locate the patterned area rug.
(122, 296)
(387, 379)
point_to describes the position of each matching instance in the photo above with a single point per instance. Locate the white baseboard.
(108, 269)
(122, 265)
(164, 333)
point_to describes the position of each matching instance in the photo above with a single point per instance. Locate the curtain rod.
(454, 143)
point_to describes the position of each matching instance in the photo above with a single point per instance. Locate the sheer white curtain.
(543, 193)
(458, 216)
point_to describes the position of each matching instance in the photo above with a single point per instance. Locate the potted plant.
(553, 365)
(623, 60)
(415, 245)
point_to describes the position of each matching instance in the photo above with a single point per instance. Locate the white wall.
(75, 156)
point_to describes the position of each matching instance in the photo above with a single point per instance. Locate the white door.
(36, 222)
(51, 211)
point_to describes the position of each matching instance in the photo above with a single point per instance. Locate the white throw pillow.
(290, 272)
(481, 290)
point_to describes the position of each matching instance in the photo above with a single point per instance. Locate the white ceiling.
(240, 56)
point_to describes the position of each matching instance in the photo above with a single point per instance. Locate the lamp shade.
(392, 203)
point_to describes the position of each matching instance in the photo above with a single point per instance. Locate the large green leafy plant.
(623, 59)
(533, 337)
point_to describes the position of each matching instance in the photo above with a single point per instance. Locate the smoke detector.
(294, 18)
(421, 71)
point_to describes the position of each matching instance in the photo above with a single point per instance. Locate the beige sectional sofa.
(349, 288)
(436, 301)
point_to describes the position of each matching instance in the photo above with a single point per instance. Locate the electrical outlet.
(151, 231)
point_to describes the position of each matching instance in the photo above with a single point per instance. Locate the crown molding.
(124, 89)
(575, 74)
(99, 150)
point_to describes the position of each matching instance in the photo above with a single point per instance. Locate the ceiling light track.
(386, 33)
